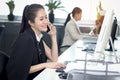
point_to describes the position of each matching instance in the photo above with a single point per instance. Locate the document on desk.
(94, 68)
(81, 66)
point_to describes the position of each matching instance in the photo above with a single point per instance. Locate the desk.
(72, 53)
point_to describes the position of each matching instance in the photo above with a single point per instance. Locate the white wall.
(88, 7)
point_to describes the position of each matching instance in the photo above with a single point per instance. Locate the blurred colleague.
(98, 25)
(99, 20)
(30, 53)
(71, 31)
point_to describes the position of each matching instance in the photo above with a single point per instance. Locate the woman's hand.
(52, 65)
(55, 65)
(52, 31)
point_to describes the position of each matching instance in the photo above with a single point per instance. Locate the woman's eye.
(41, 19)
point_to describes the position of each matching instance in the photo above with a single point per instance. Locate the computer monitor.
(84, 29)
(104, 35)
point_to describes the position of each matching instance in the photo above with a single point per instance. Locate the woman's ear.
(30, 23)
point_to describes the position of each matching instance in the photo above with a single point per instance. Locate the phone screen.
(48, 29)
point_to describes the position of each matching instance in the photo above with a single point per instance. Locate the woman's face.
(40, 22)
(79, 16)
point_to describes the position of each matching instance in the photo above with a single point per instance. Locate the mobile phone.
(48, 29)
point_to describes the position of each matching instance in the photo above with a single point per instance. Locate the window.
(88, 7)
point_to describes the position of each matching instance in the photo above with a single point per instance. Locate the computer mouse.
(63, 75)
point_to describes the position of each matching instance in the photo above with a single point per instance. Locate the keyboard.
(89, 47)
(90, 39)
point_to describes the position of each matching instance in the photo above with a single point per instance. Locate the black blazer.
(25, 54)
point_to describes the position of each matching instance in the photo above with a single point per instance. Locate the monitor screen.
(104, 34)
(85, 30)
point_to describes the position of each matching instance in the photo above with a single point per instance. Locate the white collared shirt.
(38, 38)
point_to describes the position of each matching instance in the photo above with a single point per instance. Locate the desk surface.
(71, 54)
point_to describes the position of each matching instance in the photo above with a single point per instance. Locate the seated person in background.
(100, 18)
(98, 24)
(99, 21)
(30, 53)
(71, 31)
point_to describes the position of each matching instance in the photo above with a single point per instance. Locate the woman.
(98, 23)
(71, 31)
(30, 53)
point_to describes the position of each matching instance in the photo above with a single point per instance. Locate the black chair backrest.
(8, 36)
(114, 28)
(3, 61)
(1, 29)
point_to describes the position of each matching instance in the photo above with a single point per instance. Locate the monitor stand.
(113, 48)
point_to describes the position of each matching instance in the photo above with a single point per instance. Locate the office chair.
(8, 36)
(1, 29)
(113, 33)
(60, 40)
(3, 61)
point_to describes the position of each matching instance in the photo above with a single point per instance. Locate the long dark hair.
(29, 13)
(75, 10)
(67, 19)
